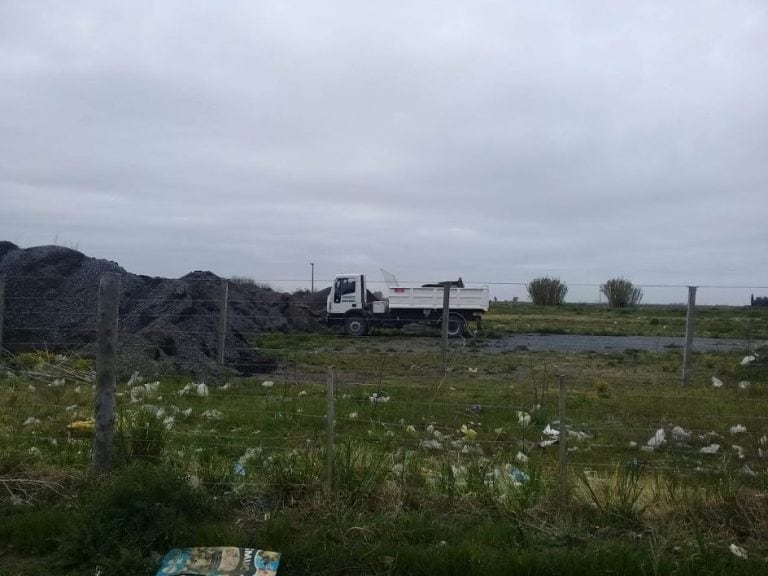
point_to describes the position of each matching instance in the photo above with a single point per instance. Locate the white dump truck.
(350, 306)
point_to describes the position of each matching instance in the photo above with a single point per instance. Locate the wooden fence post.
(690, 320)
(446, 318)
(330, 416)
(223, 310)
(2, 314)
(563, 445)
(104, 429)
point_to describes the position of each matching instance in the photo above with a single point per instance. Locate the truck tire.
(457, 326)
(356, 326)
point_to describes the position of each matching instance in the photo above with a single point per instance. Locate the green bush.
(620, 293)
(119, 524)
(547, 291)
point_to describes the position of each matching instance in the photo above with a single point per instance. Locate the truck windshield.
(343, 286)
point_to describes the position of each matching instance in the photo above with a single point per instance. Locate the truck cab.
(347, 294)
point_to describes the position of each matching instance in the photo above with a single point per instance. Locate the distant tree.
(620, 293)
(547, 291)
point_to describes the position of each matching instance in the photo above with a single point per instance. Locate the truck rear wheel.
(457, 326)
(356, 326)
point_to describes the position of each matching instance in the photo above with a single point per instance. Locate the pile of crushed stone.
(168, 325)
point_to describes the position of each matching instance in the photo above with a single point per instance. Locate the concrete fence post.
(446, 319)
(104, 429)
(562, 445)
(690, 320)
(330, 416)
(2, 314)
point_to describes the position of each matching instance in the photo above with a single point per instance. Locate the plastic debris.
(711, 449)
(679, 433)
(748, 359)
(212, 415)
(410, 429)
(267, 384)
(201, 389)
(739, 451)
(226, 386)
(34, 451)
(518, 476)
(716, 382)
(303, 393)
(168, 422)
(186, 390)
(378, 397)
(738, 551)
(223, 560)
(32, 421)
(475, 409)
(658, 439)
(431, 444)
(353, 415)
(632, 444)
(71, 408)
(522, 458)
(82, 425)
(472, 370)
(738, 429)
(187, 412)
(523, 418)
(468, 432)
(549, 431)
(134, 379)
(57, 382)
(547, 443)
(744, 385)
(239, 469)
(747, 471)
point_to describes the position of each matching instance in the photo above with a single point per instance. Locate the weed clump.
(118, 525)
(547, 291)
(621, 293)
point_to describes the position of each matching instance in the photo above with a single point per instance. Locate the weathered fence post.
(563, 445)
(223, 310)
(690, 320)
(104, 429)
(330, 416)
(446, 318)
(2, 314)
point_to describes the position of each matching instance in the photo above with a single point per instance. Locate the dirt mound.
(52, 298)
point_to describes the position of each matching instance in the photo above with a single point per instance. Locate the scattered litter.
(716, 382)
(468, 432)
(747, 471)
(82, 425)
(646, 448)
(711, 449)
(157, 411)
(212, 415)
(518, 476)
(267, 384)
(658, 439)
(202, 389)
(522, 458)
(475, 409)
(168, 422)
(679, 433)
(71, 408)
(226, 386)
(748, 359)
(353, 415)
(523, 418)
(77, 389)
(709, 436)
(194, 482)
(57, 382)
(239, 469)
(744, 385)
(410, 429)
(738, 429)
(222, 560)
(187, 412)
(739, 451)
(31, 388)
(34, 451)
(186, 390)
(547, 443)
(431, 444)
(32, 421)
(549, 431)
(498, 431)
(134, 379)
(763, 440)
(378, 397)
(430, 428)
(472, 370)
(632, 444)
(738, 551)
(303, 393)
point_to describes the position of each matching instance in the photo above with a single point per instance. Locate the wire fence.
(299, 410)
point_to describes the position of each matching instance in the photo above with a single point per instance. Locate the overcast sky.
(498, 141)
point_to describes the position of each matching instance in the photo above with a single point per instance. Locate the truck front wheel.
(356, 326)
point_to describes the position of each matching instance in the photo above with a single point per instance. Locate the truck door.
(346, 294)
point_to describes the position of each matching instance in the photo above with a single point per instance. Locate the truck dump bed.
(461, 298)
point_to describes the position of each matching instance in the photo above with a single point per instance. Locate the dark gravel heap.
(166, 324)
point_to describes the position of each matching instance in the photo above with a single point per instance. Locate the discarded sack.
(224, 561)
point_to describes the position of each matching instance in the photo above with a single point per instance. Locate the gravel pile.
(166, 324)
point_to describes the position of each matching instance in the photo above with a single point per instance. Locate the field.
(432, 473)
